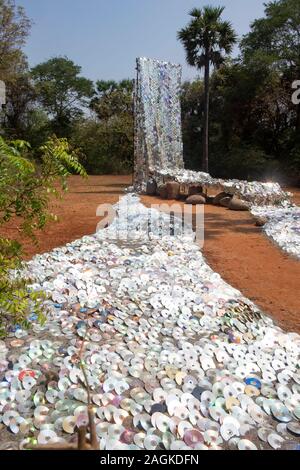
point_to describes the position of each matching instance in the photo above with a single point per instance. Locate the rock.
(237, 204)
(260, 221)
(210, 199)
(194, 189)
(184, 191)
(219, 197)
(196, 199)
(151, 188)
(225, 201)
(172, 190)
(162, 191)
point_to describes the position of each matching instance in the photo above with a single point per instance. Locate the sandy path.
(233, 246)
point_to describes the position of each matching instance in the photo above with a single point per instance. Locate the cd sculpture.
(158, 138)
(158, 141)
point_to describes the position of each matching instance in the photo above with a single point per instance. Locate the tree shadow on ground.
(218, 223)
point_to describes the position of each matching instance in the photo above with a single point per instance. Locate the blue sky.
(105, 36)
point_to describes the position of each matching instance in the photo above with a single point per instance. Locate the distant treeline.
(254, 123)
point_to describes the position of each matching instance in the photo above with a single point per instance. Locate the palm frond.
(212, 14)
(207, 37)
(195, 13)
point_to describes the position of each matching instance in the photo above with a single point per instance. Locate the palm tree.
(207, 39)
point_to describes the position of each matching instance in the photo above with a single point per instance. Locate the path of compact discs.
(175, 357)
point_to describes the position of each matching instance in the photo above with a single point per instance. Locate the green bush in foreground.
(25, 191)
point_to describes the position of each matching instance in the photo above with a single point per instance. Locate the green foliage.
(17, 302)
(113, 99)
(250, 104)
(241, 162)
(62, 92)
(25, 187)
(38, 127)
(107, 146)
(274, 41)
(207, 37)
(251, 116)
(192, 106)
(254, 125)
(14, 29)
(276, 36)
(59, 161)
(107, 140)
(25, 190)
(21, 96)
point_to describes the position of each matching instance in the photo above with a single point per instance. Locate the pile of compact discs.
(182, 176)
(283, 226)
(174, 357)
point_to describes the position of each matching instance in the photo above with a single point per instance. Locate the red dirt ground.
(233, 246)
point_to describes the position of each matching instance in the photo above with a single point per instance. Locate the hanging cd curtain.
(158, 138)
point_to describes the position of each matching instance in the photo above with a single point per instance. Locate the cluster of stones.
(194, 194)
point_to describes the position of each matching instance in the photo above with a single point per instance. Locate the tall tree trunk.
(206, 118)
(298, 119)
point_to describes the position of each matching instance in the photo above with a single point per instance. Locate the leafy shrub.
(107, 146)
(16, 301)
(240, 162)
(25, 191)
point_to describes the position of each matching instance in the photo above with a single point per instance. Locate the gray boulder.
(225, 201)
(151, 189)
(195, 200)
(162, 191)
(218, 198)
(237, 204)
(194, 189)
(173, 190)
(260, 221)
